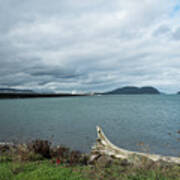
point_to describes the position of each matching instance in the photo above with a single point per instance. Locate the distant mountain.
(134, 90)
(178, 93)
(12, 90)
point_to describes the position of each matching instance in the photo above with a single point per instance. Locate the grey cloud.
(176, 34)
(163, 29)
(87, 45)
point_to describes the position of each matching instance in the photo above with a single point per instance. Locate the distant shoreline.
(10, 93)
(35, 95)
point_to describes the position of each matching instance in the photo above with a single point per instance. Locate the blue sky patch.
(176, 8)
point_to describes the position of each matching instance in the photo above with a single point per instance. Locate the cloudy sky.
(89, 45)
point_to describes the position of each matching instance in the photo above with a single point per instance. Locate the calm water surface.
(126, 120)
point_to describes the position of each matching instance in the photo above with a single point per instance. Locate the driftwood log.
(104, 147)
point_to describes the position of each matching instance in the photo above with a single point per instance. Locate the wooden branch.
(104, 147)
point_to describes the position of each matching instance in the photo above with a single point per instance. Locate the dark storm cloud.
(89, 45)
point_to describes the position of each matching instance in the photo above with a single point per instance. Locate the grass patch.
(43, 170)
(39, 161)
(47, 170)
(118, 173)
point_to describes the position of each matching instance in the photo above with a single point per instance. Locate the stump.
(104, 147)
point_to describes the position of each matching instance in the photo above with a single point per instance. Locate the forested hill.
(134, 90)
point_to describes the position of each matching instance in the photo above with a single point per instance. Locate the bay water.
(135, 122)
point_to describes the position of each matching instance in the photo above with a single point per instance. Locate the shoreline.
(46, 149)
(39, 159)
(36, 95)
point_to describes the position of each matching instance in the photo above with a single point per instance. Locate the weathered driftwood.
(104, 147)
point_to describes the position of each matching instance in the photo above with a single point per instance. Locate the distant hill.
(12, 90)
(134, 90)
(178, 93)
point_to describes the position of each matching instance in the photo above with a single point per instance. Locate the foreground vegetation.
(46, 170)
(38, 161)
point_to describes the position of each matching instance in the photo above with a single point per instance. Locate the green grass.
(118, 172)
(46, 170)
(37, 169)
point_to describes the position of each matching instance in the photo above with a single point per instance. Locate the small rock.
(178, 131)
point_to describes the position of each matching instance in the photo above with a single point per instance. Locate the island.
(134, 90)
